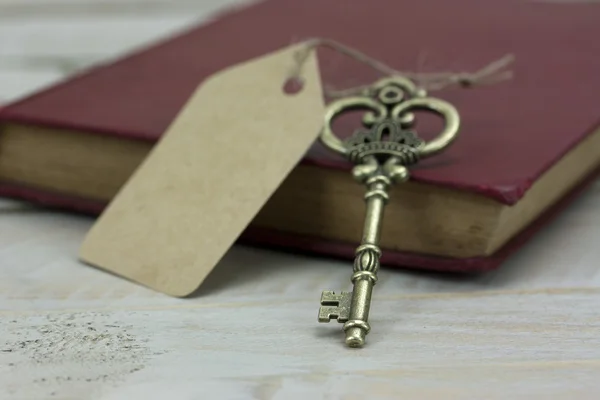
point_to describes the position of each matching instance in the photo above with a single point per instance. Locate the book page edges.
(52, 160)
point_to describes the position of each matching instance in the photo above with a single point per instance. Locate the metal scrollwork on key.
(381, 152)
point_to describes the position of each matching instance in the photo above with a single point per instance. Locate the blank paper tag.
(229, 149)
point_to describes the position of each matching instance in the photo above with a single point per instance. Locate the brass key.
(381, 154)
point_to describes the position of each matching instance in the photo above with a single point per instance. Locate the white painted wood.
(15, 83)
(492, 345)
(67, 331)
(106, 36)
(49, 8)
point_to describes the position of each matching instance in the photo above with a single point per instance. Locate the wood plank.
(460, 345)
(63, 64)
(17, 83)
(106, 37)
(52, 8)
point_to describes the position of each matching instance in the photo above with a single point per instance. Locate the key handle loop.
(389, 103)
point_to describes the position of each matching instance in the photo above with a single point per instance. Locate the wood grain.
(529, 330)
(419, 349)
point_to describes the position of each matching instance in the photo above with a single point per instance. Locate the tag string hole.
(293, 85)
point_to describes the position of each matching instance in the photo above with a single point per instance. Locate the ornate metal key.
(381, 154)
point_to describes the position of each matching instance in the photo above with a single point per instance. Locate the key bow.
(389, 104)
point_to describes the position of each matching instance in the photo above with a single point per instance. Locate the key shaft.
(366, 262)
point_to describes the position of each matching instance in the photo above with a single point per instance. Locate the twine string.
(491, 74)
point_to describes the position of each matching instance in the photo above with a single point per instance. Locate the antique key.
(381, 154)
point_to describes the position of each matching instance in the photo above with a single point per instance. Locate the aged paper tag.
(229, 149)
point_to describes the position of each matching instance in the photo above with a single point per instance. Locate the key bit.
(335, 306)
(381, 153)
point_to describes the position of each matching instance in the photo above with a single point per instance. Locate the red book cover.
(512, 132)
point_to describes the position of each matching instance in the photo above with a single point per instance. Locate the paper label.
(228, 150)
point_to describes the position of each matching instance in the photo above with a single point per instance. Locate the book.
(527, 146)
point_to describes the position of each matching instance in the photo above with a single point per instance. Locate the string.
(490, 74)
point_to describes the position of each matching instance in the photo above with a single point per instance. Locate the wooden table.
(67, 331)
